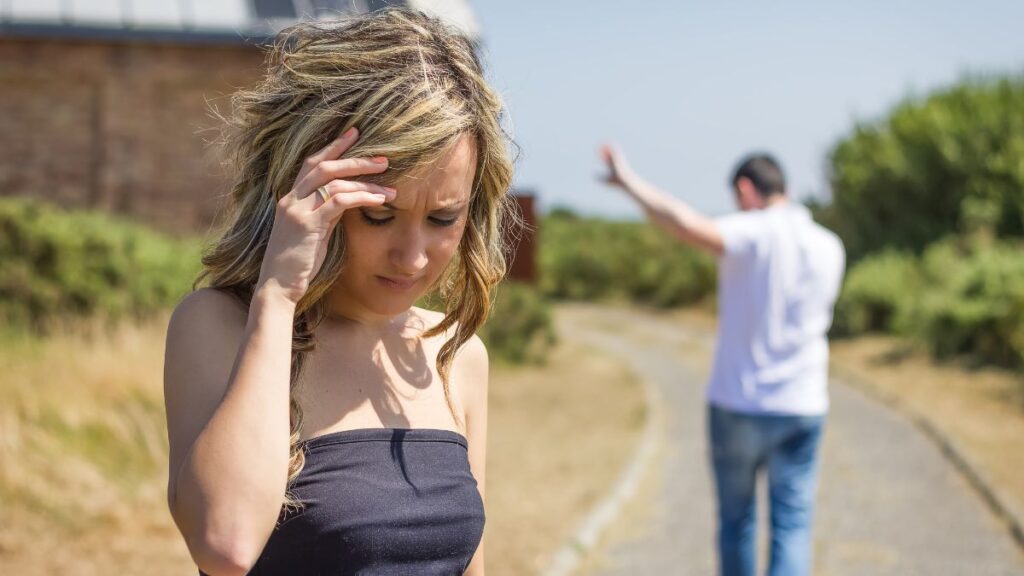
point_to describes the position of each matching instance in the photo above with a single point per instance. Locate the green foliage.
(58, 265)
(975, 303)
(878, 295)
(952, 163)
(593, 259)
(929, 202)
(960, 297)
(520, 328)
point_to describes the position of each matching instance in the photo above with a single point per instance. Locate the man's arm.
(666, 211)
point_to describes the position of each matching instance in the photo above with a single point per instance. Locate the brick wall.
(118, 125)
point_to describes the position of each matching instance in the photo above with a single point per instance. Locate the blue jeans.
(741, 446)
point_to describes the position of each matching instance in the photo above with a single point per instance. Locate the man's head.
(757, 181)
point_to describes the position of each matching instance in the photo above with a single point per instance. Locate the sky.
(686, 88)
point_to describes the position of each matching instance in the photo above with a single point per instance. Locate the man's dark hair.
(763, 171)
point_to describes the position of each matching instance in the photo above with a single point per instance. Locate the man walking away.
(779, 274)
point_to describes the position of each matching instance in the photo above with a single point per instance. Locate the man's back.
(777, 285)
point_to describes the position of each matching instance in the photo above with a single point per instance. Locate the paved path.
(889, 504)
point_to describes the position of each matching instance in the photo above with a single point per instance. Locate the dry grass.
(560, 436)
(83, 442)
(83, 446)
(639, 513)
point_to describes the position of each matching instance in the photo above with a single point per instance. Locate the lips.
(398, 283)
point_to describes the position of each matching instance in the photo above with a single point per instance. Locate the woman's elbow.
(227, 557)
(221, 542)
(219, 552)
(221, 567)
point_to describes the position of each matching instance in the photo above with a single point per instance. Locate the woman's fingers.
(331, 211)
(328, 170)
(334, 149)
(336, 187)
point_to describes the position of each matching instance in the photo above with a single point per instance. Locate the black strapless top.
(379, 502)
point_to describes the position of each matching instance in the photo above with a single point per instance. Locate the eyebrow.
(449, 207)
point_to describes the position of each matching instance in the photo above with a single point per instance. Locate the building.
(105, 101)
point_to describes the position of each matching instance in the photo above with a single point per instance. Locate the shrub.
(58, 265)
(950, 164)
(879, 295)
(960, 297)
(975, 301)
(594, 259)
(520, 328)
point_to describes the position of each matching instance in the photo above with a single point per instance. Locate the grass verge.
(83, 446)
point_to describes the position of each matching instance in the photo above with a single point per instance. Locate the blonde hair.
(412, 86)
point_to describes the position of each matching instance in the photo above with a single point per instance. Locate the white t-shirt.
(778, 280)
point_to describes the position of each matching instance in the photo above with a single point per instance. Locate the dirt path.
(889, 503)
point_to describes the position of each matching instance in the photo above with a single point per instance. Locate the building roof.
(231, 21)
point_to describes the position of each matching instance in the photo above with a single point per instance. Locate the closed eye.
(375, 221)
(443, 221)
(380, 221)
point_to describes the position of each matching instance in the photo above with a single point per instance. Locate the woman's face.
(395, 252)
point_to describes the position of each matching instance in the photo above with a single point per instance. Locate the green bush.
(594, 259)
(950, 164)
(520, 328)
(572, 258)
(879, 295)
(959, 298)
(975, 301)
(58, 265)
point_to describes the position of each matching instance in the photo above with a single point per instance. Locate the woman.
(319, 423)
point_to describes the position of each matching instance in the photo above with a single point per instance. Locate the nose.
(408, 254)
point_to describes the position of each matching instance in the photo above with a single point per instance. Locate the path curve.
(889, 503)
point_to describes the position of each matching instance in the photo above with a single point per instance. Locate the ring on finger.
(323, 193)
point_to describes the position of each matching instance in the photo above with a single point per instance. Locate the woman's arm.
(473, 376)
(228, 424)
(226, 387)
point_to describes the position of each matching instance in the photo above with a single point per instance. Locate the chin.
(393, 306)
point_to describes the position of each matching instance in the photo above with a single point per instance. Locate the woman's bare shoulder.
(429, 317)
(206, 327)
(209, 303)
(472, 354)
